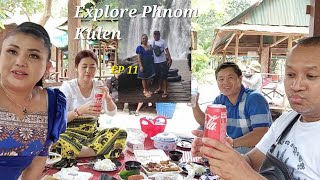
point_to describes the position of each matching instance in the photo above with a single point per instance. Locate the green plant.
(200, 62)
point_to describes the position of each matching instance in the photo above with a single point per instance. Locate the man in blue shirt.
(248, 111)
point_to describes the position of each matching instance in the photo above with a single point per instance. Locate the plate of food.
(199, 169)
(53, 158)
(105, 165)
(153, 155)
(162, 167)
(184, 143)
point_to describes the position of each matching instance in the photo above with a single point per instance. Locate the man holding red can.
(290, 148)
(248, 114)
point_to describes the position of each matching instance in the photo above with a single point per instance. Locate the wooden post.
(236, 51)
(61, 64)
(58, 64)
(265, 58)
(260, 49)
(104, 55)
(73, 45)
(194, 40)
(314, 27)
(116, 54)
(289, 43)
(224, 56)
(99, 59)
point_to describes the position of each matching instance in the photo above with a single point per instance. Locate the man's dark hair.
(156, 32)
(225, 65)
(310, 41)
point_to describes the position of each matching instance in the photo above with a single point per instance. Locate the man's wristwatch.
(76, 112)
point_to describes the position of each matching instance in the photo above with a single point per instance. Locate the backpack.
(157, 50)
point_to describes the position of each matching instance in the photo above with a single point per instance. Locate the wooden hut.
(267, 28)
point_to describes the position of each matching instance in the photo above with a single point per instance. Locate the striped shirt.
(250, 111)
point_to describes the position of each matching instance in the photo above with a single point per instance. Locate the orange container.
(154, 126)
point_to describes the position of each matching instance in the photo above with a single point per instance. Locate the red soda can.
(216, 122)
(98, 99)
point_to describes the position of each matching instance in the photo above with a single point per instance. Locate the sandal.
(164, 95)
(157, 91)
(136, 113)
(147, 94)
(148, 91)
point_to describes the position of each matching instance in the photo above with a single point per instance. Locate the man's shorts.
(161, 70)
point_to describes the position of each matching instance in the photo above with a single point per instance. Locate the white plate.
(115, 161)
(56, 158)
(193, 165)
(185, 144)
(153, 155)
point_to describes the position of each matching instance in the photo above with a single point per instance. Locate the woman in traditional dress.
(145, 61)
(82, 139)
(27, 126)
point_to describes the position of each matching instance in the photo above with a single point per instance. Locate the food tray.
(153, 155)
(149, 173)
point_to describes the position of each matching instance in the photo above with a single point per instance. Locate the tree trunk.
(47, 13)
(73, 44)
(24, 11)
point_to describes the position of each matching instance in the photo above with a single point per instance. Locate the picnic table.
(127, 156)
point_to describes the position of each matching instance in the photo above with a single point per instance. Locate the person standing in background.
(146, 65)
(162, 63)
(254, 82)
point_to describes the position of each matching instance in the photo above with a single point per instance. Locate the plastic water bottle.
(194, 92)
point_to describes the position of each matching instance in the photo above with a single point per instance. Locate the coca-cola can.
(216, 122)
(98, 99)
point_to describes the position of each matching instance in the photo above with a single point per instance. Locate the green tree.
(26, 7)
(235, 7)
(212, 16)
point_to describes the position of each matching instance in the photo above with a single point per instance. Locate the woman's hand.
(90, 109)
(104, 90)
(141, 68)
(225, 161)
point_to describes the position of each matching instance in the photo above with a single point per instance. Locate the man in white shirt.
(255, 81)
(299, 149)
(162, 62)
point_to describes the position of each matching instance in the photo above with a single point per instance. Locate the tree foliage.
(234, 7)
(25, 7)
(211, 18)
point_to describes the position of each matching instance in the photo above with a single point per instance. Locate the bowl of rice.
(105, 165)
